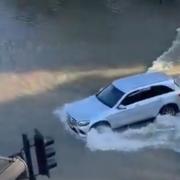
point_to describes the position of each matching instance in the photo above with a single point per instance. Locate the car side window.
(159, 90)
(133, 98)
(146, 94)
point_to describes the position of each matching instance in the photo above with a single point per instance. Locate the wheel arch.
(102, 122)
(170, 104)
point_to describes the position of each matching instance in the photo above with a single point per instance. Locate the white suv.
(126, 101)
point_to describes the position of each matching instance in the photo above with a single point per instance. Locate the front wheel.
(169, 110)
(101, 127)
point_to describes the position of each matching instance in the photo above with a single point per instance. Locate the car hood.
(87, 109)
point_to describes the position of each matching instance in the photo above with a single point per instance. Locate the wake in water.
(163, 133)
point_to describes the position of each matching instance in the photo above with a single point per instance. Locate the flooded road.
(54, 52)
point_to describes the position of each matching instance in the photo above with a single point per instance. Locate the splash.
(61, 113)
(163, 133)
(170, 59)
(160, 65)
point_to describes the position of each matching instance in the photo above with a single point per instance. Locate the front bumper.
(72, 124)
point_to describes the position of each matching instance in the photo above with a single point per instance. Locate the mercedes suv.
(124, 102)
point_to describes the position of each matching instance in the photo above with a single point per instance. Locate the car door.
(136, 106)
(155, 99)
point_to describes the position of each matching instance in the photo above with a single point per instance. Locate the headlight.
(83, 123)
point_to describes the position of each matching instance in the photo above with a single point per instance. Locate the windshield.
(110, 95)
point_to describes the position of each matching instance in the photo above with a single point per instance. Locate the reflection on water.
(33, 83)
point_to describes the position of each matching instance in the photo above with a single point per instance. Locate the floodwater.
(54, 52)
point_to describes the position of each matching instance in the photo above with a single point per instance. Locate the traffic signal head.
(44, 153)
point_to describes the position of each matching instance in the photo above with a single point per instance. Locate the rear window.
(159, 90)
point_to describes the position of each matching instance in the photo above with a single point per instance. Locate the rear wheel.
(169, 110)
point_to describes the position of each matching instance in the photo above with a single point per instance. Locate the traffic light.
(44, 153)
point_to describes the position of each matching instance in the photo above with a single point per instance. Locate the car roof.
(133, 82)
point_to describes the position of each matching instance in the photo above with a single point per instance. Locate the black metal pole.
(26, 147)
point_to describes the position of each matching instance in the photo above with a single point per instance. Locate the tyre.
(169, 110)
(101, 127)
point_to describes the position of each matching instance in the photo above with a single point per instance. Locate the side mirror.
(121, 107)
